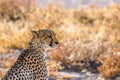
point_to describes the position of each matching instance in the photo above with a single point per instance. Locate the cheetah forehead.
(46, 31)
(43, 33)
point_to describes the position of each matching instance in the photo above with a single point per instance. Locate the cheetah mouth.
(50, 45)
(53, 46)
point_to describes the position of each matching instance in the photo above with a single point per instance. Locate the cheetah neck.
(33, 51)
(37, 52)
(37, 47)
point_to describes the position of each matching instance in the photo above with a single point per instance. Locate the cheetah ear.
(34, 33)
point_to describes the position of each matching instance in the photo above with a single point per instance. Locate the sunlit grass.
(83, 33)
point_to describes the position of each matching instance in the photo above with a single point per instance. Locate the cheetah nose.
(56, 42)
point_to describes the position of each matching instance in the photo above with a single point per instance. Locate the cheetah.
(31, 63)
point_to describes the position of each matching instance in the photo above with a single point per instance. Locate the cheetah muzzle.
(31, 63)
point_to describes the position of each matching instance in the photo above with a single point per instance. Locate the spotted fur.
(31, 63)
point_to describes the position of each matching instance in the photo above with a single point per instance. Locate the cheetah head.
(44, 38)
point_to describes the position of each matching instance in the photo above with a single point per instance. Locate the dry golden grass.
(84, 34)
(74, 53)
(111, 65)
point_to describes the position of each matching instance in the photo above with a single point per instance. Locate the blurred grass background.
(86, 34)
